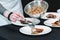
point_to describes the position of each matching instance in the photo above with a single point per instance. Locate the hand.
(41, 0)
(16, 16)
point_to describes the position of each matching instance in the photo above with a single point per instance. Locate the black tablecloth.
(11, 32)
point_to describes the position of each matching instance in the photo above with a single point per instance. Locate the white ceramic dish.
(54, 13)
(33, 20)
(50, 21)
(27, 30)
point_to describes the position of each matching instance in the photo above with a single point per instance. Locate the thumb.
(21, 19)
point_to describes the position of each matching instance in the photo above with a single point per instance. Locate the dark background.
(53, 6)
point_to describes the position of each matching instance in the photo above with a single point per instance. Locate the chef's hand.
(14, 16)
(40, 0)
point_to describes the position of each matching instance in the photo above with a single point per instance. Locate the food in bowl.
(35, 10)
(51, 16)
(56, 23)
(42, 6)
(36, 30)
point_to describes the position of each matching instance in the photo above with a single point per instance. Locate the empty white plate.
(27, 30)
(50, 21)
(33, 20)
(54, 13)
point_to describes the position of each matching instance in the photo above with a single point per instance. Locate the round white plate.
(50, 21)
(27, 30)
(55, 13)
(33, 20)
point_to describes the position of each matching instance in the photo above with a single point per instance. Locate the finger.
(13, 16)
(16, 15)
(19, 14)
(21, 19)
(41, 0)
(13, 19)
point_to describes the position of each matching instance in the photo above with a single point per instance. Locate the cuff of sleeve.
(9, 15)
(2, 9)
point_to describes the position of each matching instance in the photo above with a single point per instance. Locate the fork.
(32, 25)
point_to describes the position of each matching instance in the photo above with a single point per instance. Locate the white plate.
(50, 21)
(27, 30)
(55, 13)
(35, 21)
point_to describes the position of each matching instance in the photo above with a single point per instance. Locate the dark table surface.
(11, 32)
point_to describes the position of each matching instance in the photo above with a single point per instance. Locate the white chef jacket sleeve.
(2, 9)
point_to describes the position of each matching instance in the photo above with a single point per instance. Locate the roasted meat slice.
(37, 30)
(26, 22)
(57, 23)
(51, 16)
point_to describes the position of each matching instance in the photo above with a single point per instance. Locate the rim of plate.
(36, 34)
(50, 25)
(48, 13)
(26, 24)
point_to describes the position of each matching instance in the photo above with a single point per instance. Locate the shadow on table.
(1, 38)
(34, 35)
